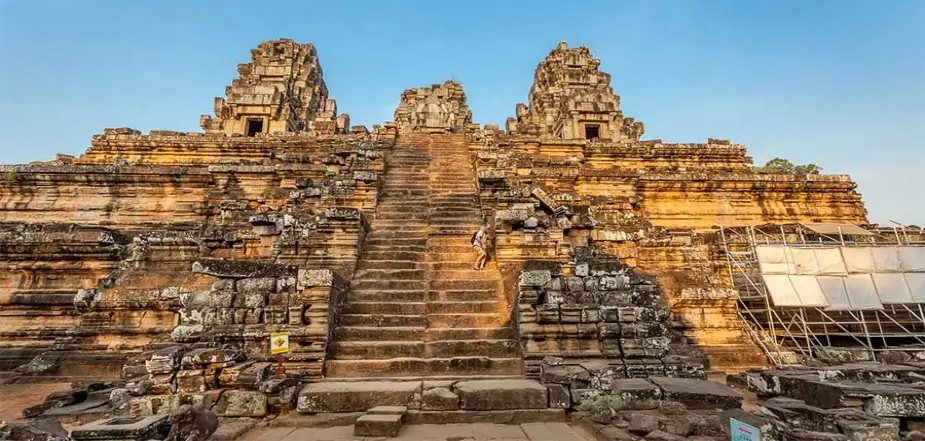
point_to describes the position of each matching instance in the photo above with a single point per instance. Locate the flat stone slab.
(121, 428)
(698, 394)
(636, 393)
(501, 394)
(388, 410)
(377, 425)
(356, 396)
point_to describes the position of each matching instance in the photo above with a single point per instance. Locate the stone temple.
(151, 270)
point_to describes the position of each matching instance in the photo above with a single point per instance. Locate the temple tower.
(438, 108)
(572, 99)
(281, 90)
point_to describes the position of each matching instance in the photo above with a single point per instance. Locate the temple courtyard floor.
(427, 432)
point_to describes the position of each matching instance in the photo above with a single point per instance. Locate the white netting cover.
(774, 259)
(833, 287)
(804, 260)
(892, 288)
(913, 259)
(858, 260)
(886, 259)
(861, 292)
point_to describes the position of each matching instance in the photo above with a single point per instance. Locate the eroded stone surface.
(356, 396)
(500, 394)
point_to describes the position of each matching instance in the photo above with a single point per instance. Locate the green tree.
(783, 166)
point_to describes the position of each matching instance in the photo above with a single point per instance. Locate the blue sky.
(839, 83)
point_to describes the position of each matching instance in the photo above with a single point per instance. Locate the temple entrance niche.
(592, 131)
(254, 126)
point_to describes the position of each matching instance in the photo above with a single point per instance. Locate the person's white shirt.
(479, 235)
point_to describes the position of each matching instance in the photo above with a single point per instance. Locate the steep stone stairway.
(416, 309)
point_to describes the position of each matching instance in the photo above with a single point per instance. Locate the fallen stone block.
(559, 396)
(642, 423)
(165, 361)
(241, 403)
(698, 394)
(377, 425)
(40, 430)
(636, 393)
(501, 394)
(122, 428)
(806, 435)
(658, 435)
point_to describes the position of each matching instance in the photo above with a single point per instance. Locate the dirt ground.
(16, 397)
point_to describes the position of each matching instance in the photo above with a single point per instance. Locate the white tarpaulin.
(886, 259)
(861, 292)
(892, 288)
(858, 260)
(807, 287)
(833, 287)
(804, 260)
(774, 259)
(913, 258)
(830, 261)
(781, 290)
(916, 284)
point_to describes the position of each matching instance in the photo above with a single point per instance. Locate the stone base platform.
(424, 395)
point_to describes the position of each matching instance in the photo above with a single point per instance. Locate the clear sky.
(839, 83)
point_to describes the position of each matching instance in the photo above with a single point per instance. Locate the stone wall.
(605, 311)
(654, 206)
(139, 210)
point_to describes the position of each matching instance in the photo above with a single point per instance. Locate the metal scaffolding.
(789, 308)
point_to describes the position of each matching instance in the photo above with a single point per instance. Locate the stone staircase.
(416, 308)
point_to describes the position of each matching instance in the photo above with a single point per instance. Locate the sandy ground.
(16, 397)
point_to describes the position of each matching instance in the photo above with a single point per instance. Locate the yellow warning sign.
(279, 343)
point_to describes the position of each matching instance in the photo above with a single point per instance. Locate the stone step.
(486, 283)
(380, 350)
(397, 274)
(383, 245)
(501, 394)
(389, 264)
(486, 395)
(378, 425)
(356, 396)
(373, 333)
(462, 295)
(484, 348)
(463, 256)
(378, 295)
(515, 416)
(394, 308)
(409, 256)
(393, 321)
(460, 274)
(411, 367)
(483, 307)
(500, 333)
(439, 266)
(363, 333)
(462, 246)
(408, 234)
(376, 350)
(492, 320)
(387, 215)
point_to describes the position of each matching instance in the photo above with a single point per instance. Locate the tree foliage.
(783, 166)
